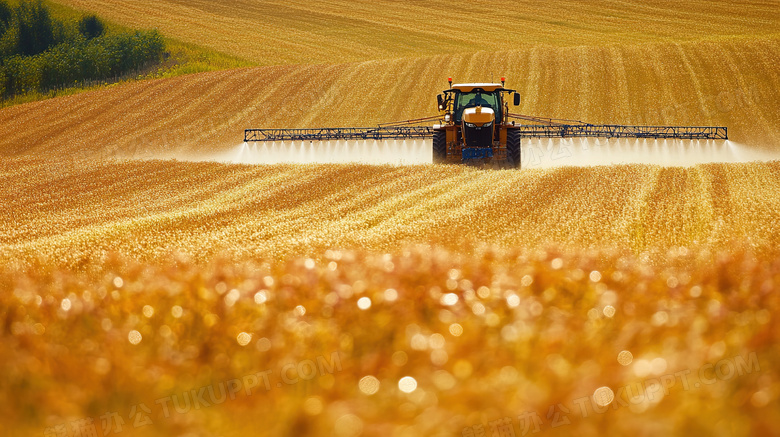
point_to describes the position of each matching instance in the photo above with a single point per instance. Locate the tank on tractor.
(476, 125)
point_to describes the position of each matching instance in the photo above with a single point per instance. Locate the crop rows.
(425, 300)
(278, 32)
(79, 211)
(733, 84)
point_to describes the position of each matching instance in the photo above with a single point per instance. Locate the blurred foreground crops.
(420, 342)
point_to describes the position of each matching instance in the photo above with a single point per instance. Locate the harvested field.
(326, 31)
(76, 212)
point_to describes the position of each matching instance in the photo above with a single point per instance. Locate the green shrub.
(22, 74)
(9, 43)
(60, 66)
(95, 59)
(38, 53)
(91, 27)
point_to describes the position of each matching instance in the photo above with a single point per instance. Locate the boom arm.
(618, 131)
(554, 128)
(535, 127)
(339, 133)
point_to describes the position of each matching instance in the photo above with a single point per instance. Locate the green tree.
(9, 43)
(6, 14)
(23, 74)
(91, 27)
(36, 28)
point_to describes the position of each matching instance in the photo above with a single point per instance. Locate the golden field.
(278, 32)
(688, 347)
(77, 212)
(733, 83)
(157, 297)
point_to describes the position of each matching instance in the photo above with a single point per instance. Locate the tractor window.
(473, 99)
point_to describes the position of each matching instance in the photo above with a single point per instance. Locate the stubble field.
(76, 212)
(326, 31)
(156, 297)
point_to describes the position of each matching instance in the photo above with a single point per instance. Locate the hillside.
(697, 63)
(276, 32)
(731, 83)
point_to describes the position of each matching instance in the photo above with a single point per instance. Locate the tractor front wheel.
(439, 147)
(513, 148)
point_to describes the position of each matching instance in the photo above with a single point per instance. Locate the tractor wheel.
(513, 148)
(439, 147)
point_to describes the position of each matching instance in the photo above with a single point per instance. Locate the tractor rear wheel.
(513, 148)
(439, 147)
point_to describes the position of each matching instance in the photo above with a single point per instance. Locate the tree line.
(39, 52)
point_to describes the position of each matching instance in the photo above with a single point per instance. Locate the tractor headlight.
(488, 124)
(447, 118)
(471, 125)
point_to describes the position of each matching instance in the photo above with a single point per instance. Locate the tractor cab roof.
(469, 87)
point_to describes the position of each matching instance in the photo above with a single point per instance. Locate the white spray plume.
(536, 153)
